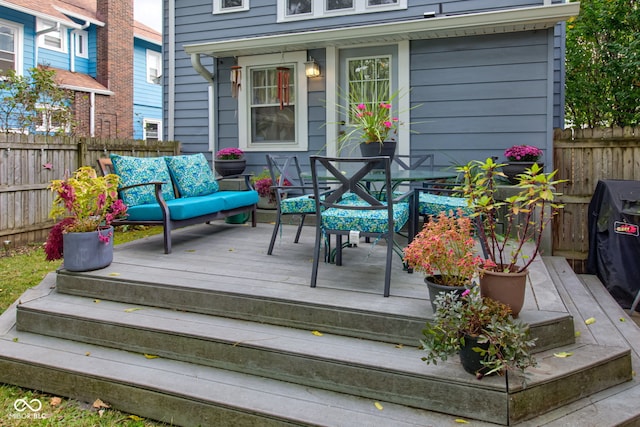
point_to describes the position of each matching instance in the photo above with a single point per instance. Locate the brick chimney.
(114, 114)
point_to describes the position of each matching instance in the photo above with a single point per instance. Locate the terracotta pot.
(508, 288)
(436, 289)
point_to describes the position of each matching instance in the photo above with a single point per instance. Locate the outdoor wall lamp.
(311, 68)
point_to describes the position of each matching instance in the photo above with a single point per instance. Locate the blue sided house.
(111, 64)
(477, 76)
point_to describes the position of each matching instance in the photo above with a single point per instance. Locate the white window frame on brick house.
(43, 113)
(46, 40)
(250, 106)
(227, 6)
(154, 67)
(15, 54)
(148, 136)
(295, 10)
(81, 43)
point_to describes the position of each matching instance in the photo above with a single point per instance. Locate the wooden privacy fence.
(29, 163)
(583, 157)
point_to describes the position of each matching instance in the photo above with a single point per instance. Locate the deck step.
(187, 394)
(396, 320)
(358, 367)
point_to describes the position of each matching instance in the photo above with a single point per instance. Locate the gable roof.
(493, 22)
(84, 10)
(79, 82)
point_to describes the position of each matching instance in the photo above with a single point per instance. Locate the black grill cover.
(614, 241)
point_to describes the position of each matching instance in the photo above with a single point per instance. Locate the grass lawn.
(24, 268)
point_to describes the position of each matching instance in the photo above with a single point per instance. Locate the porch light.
(311, 68)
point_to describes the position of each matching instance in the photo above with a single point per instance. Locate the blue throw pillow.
(137, 170)
(192, 175)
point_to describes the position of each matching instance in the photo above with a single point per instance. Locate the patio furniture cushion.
(138, 170)
(190, 207)
(433, 204)
(374, 221)
(297, 205)
(192, 175)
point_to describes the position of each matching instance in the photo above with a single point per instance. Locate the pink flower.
(361, 107)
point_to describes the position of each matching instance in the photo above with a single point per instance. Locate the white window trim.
(150, 55)
(144, 128)
(217, 7)
(43, 25)
(301, 105)
(81, 41)
(46, 127)
(18, 43)
(318, 10)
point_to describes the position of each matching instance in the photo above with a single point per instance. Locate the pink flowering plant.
(230, 153)
(85, 202)
(445, 250)
(523, 153)
(262, 183)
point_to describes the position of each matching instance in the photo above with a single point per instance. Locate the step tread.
(220, 387)
(336, 349)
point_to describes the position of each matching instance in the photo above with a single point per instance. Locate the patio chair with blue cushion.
(349, 207)
(293, 197)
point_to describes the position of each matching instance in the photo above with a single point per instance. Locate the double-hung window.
(51, 36)
(225, 6)
(154, 67)
(81, 43)
(10, 47)
(272, 102)
(289, 10)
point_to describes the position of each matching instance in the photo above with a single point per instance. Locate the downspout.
(92, 114)
(171, 70)
(209, 77)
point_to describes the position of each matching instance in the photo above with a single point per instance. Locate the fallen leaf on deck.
(150, 356)
(461, 421)
(190, 250)
(114, 274)
(563, 354)
(87, 354)
(130, 310)
(15, 339)
(96, 301)
(100, 404)
(231, 249)
(622, 319)
(590, 320)
(379, 406)
(55, 401)
(317, 333)
(136, 418)
(578, 333)
(399, 345)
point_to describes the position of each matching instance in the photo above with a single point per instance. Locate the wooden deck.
(232, 321)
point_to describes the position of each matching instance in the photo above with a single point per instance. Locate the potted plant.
(522, 218)
(262, 184)
(519, 158)
(445, 251)
(87, 204)
(369, 121)
(483, 331)
(230, 161)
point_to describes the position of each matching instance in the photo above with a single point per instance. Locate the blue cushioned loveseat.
(175, 191)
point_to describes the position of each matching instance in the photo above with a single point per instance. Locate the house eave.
(62, 20)
(493, 22)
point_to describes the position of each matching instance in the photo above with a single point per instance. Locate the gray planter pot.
(85, 251)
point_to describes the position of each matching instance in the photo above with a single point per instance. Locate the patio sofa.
(175, 191)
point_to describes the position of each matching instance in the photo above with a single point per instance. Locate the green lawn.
(21, 269)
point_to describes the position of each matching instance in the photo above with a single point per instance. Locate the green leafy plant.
(458, 317)
(445, 246)
(526, 214)
(85, 202)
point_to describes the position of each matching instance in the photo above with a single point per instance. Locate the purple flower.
(523, 153)
(229, 153)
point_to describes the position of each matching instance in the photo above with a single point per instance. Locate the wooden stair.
(190, 351)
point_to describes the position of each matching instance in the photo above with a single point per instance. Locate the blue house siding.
(480, 94)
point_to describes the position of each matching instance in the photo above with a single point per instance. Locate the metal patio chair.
(293, 197)
(348, 207)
